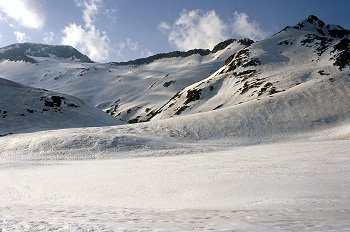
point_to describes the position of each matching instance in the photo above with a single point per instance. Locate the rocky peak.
(315, 25)
(312, 23)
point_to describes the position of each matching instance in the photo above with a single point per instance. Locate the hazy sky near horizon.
(119, 30)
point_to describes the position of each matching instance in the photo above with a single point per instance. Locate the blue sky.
(118, 30)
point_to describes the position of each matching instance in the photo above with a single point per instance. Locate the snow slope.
(124, 90)
(282, 100)
(300, 59)
(26, 109)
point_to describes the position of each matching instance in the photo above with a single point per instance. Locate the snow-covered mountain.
(308, 56)
(28, 52)
(241, 82)
(26, 109)
(182, 83)
(131, 90)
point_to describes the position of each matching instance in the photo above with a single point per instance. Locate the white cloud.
(20, 37)
(146, 53)
(164, 27)
(244, 27)
(128, 48)
(132, 45)
(89, 40)
(198, 29)
(26, 13)
(92, 42)
(121, 46)
(49, 37)
(90, 10)
(110, 13)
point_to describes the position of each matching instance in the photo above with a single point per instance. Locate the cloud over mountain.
(87, 38)
(244, 27)
(199, 29)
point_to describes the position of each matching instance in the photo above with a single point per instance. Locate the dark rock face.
(338, 32)
(342, 56)
(25, 52)
(240, 58)
(179, 111)
(246, 42)
(57, 101)
(316, 21)
(193, 95)
(53, 101)
(321, 43)
(168, 83)
(222, 45)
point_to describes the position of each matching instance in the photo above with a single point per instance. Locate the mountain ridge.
(202, 52)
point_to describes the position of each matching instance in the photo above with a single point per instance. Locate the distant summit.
(314, 24)
(28, 51)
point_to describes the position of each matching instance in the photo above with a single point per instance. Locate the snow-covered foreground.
(293, 186)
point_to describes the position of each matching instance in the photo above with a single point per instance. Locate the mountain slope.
(26, 109)
(304, 113)
(309, 53)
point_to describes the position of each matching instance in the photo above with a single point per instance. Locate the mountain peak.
(28, 51)
(312, 23)
(316, 25)
(312, 19)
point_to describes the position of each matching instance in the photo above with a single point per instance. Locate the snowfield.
(295, 186)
